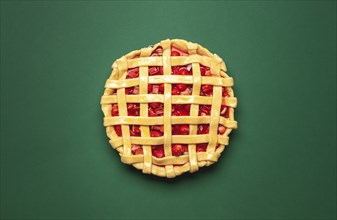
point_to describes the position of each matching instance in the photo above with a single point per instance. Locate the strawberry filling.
(156, 109)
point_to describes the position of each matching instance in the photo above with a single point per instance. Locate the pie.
(169, 108)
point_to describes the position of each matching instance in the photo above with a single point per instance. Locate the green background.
(56, 162)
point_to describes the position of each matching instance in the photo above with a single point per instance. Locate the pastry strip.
(167, 105)
(216, 105)
(176, 139)
(145, 130)
(167, 161)
(194, 111)
(174, 79)
(193, 120)
(122, 69)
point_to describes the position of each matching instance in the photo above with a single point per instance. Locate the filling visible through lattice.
(156, 109)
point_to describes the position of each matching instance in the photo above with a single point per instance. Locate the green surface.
(56, 161)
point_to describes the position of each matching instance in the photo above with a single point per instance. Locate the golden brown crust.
(169, 166)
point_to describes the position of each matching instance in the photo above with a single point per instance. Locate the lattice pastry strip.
(169, 108)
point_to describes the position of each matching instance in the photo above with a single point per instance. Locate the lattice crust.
(115, 93)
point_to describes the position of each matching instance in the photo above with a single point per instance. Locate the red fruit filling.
(205, 110)
(133, 109)
(179, 149)
(158, 151)
(177, 52)
(136, 149)
(155, 70)
(202, 147)
(156, 109)
(157, 52)
(135, 130)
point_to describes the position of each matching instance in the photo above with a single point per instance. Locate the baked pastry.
(169, 108)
